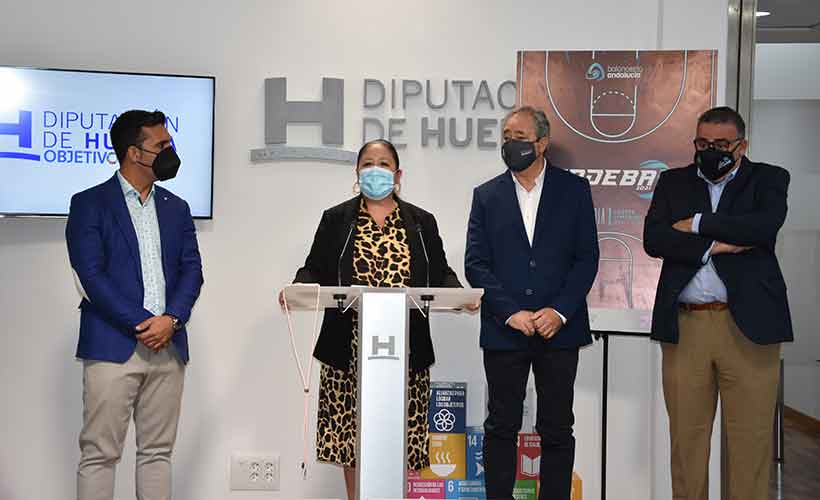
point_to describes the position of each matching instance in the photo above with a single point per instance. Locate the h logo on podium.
(378, 346)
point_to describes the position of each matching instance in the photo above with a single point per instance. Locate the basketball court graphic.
(620, 118)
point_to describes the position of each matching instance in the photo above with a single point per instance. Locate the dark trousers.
(507, 373)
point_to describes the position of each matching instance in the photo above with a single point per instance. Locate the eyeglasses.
(719, 144)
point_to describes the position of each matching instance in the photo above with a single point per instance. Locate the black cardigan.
(323, 266)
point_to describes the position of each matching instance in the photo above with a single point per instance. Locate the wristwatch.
(175, 322)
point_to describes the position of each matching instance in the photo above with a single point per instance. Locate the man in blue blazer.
(721, 310)
(134, 252)
(532, 246)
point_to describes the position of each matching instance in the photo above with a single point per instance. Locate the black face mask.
(714, 163)
(518, 155)
(166, 163)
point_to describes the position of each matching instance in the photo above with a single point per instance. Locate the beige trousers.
(714, 357)
(147, 386)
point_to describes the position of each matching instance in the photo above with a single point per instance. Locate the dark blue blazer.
(751, 212)
(557, 271)
(103, 249)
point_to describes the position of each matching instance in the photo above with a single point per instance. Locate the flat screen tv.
(54, 138)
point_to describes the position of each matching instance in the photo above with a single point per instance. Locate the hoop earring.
(397, 189)
(356, 188)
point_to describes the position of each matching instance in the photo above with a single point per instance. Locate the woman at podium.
(375, 239)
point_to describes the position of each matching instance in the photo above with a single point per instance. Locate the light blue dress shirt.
(707, 286)
(146, 225)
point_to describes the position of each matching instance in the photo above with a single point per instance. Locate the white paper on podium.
(445, 299)
(302, 296)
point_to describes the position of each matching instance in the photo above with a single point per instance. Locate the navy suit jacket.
(103, 249)
(751, 212)
(556, 271)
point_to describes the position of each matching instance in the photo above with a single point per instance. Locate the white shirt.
(528, 203)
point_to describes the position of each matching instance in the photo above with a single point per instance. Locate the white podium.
(383, 370)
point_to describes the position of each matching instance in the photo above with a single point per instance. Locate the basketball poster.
(620, 118)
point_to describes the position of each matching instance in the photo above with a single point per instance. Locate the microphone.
(426, 299)
(424, 249)
(340, 297)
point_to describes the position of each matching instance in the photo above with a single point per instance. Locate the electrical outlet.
(255, 471)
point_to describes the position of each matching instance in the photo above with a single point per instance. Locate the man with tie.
(721, 310)
(133, 248)
(532, 246)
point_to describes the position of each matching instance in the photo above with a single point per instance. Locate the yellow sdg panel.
(448, 457)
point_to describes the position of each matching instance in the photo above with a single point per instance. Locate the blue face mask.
(376, 183)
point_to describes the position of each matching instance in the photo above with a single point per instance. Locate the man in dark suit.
(532, 246)
(721, 310)
(133, 249)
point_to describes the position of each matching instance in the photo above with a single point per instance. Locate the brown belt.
(709, 306)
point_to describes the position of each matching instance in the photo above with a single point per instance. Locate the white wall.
(242, 390)
(787, 71)
(785, 124)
